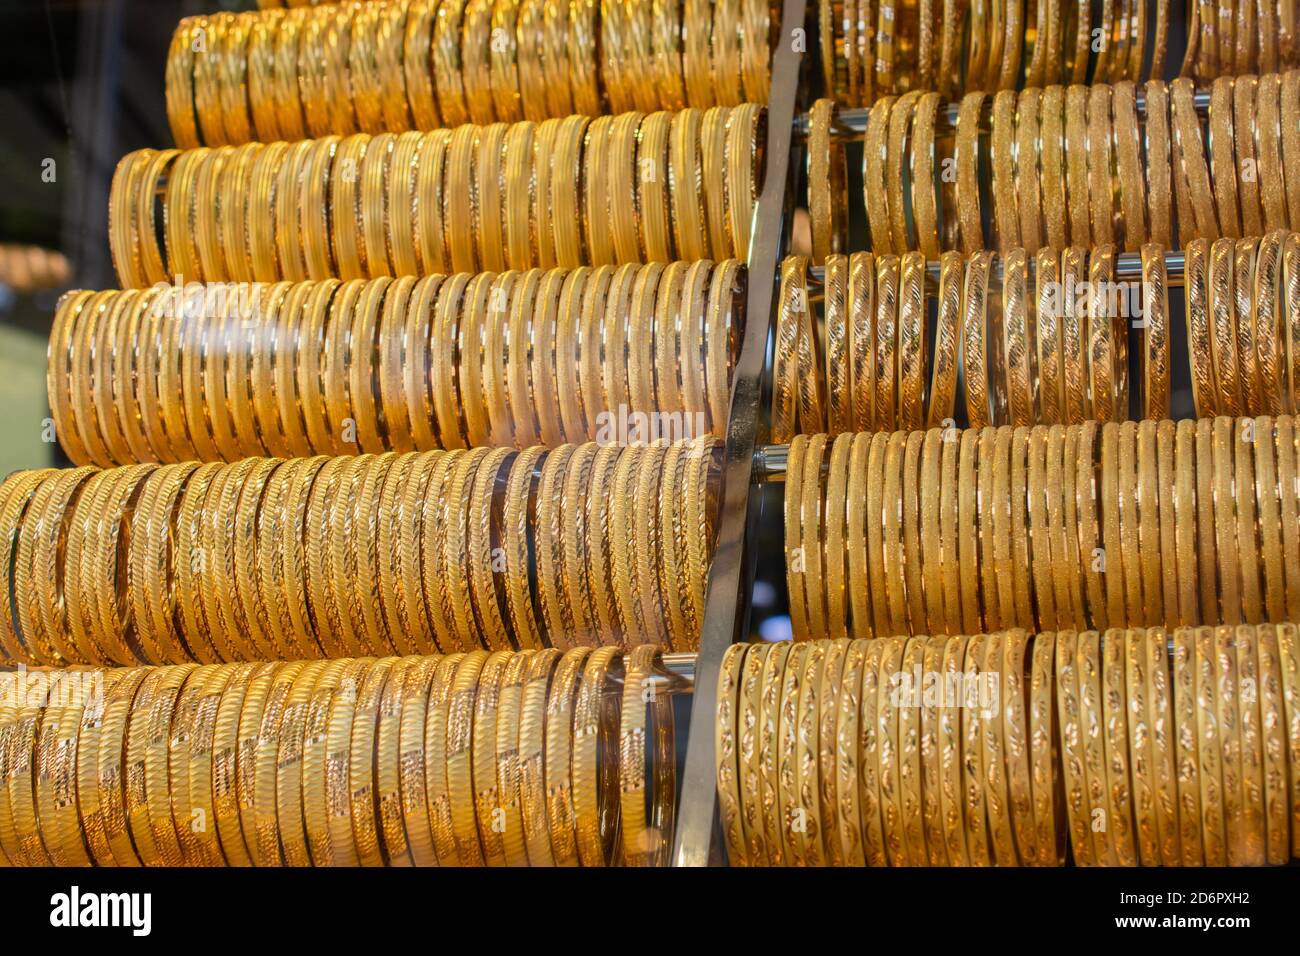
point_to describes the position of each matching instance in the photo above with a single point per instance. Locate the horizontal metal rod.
(851, 124)
(1128, 265)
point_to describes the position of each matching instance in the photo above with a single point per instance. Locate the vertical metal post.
(726, 608)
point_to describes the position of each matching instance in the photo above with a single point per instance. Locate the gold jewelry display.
(1024, 755)
(392, 351)
(1067, 328)
(395, 65)
(460, 200)
(1000, 45)
(1082, 166)
(402, 751)
(1125, 499)
(223, 546)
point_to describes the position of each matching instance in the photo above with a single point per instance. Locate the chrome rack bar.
(726, 608)
(851, 124)
(1128, 265)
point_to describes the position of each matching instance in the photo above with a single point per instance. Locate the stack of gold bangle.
(885, 48)
(1038, 339)
(1070, 166)
(1254, 36)
(503, 759)
(565, 192)
(423, 64)
(268, 559)
(293, 369)
(1069, 527)
(1004, 749)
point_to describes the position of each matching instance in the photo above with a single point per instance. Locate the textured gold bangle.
(565, 203)
(874, 183)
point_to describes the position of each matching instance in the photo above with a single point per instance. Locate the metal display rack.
(726, 610)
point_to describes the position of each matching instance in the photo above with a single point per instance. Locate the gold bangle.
(793, 299)
(460, 709)
(529, 28)
(825, 178)
(967, 163)
(437, 790)
(1222, 318)
(652, 188)
(583, 68)
(1002, 160)
(431, 239)
(1289, 651)
(839, 395)
(900, 122)
(514, 524)
(1223, 169)
(1244, 303)
(543, 215)
(1187, 760)
(1273, 744)
(725, 747)
(874, 188)
(1053, 167)
(976, 821)
(447, 65)
(623, 172)
(565, 199)
(997, 769)
(459, 200)
(713, 138)
(475, 65)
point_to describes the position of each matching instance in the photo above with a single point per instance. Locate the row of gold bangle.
(223, 372)
(870, 50)
(1125, 748)
(424, 64)
(883, 48)
(502, 759)
(1034, 339)
(564, 192)
(269, 559)
(1087, 526)
(1066, 166)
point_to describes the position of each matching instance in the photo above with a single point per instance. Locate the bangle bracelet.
(822, 161)
(1243, 298)
(912, 359)
(475, 65)
(1027, 179)
(1246, 131)
(1002, 139)
(725, 744)
(1158, 168)
(974, 322)
(1155, 367)
(1269, 135)
(459, 779)
(967, 162)
(652, 188)
(1018, 350)
(1223, 170)
(886, 363)
(943, 381)
(924, 158)
(686, 183)
(1077, 161)
(838, 369)
(565, 200)
(1269, 337)
(874, 156)
(532, 746)
(437, 793)
(1223, 342)
(900, 121)
(1272, 744)
(484, 755)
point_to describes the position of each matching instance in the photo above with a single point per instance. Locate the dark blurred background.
(81, 83)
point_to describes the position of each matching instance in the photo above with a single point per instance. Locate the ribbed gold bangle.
(652, 188)
(565, 203)
(560, 705)
(435, 738)
(543, 215)
(507, 772)
(1273, 803)
(713, 138)
(593, 794)
(484, 797)
(874, 184)
(460, 200)
(727, 755)
(1244, 307)
(583, 67)
(967, 162)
